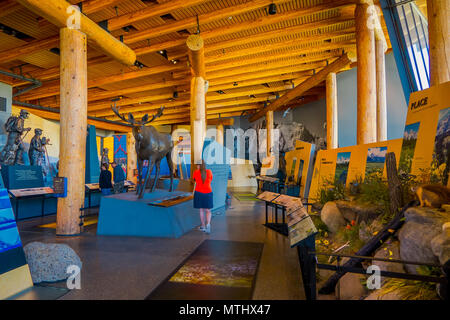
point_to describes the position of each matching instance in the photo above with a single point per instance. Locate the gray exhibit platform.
(126, 215)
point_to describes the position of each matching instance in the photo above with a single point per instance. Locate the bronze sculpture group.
(152, 146)
(12, 152)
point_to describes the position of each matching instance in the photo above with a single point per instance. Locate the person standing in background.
(119, 177)
(203, 195)
(105, 180)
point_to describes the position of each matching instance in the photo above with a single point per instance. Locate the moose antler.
(129, 119)
(145, 119)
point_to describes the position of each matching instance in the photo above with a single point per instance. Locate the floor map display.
(426, 138)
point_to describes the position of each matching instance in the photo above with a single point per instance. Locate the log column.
(198, 97)
(438, 12)
(380, 48)
(219, 133)
(73, 126)
(332, 115)
(269, 132)
(366, 129)
(131, 157)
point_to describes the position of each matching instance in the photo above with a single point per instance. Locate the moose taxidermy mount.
(152, 146)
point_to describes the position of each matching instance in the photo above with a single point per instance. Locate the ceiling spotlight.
(235, 84)
(174, 61)
(252, 96)
(175, 94)
(220, 92)
(272, 9)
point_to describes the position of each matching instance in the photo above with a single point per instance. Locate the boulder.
(422, 225)
(332, 217)
(367, 230)
(351, 287)
(440, 245)
(378, 295)
(351, 210)
(49, 261)
(389, 251)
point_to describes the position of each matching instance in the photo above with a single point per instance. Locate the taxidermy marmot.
(432, 195)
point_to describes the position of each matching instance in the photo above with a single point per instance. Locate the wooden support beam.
(196, 55)
(304, 86)
(381, 91)
(332, 111)
(52, 88)
(8, 6)
(73, 126)
(131, 157)
(151, 11)
(28, 48)
(366, 77)
(230, 12)
(59, 13)
(198, 99)
(92, 6)
(269, 132)
(438, 12)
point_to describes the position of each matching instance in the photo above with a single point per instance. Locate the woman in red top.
(203, 196)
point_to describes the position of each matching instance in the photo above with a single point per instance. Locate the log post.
(219, 133)
(131, 157)
(73, 126)
(381, 90)
(198, 98)
(366, 129)
(438, 12)
(269, 132)
(332, 116)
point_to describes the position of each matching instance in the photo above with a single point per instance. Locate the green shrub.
(332, 191)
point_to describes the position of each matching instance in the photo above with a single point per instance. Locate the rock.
(440, 245)
(49, 261)
(358, 212)
(332, 217)
(367, 230)
(421, 226)
(317, 206)
(350, 287)
(389, 251)
(377, 295)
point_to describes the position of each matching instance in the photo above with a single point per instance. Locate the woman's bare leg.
(202, 218)
(208, 216)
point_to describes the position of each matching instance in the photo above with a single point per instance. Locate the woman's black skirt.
(203, 200)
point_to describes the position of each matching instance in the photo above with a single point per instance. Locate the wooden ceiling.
(251, 56)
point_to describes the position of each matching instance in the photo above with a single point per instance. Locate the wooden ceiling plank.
(314, 80)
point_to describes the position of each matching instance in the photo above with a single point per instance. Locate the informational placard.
(92, 186)
(426, 138)
(21, 177)
(17, 193)
(299, 166)
(268, 196)
(350, 164)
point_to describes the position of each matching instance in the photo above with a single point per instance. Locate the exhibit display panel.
(350, 164)
(126, 215)
(14, 272)
(299, 164)
(426, 137)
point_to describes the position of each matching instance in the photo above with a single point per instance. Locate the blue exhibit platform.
(126, 215)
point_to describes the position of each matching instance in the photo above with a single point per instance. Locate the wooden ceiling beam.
(55, 11)
(52, 89)
(306, 85)
(246, 25)
(201, 19)
(151, 11)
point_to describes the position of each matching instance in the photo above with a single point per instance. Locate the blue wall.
(396, 104)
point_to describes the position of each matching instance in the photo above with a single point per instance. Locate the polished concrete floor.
(131, 267)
